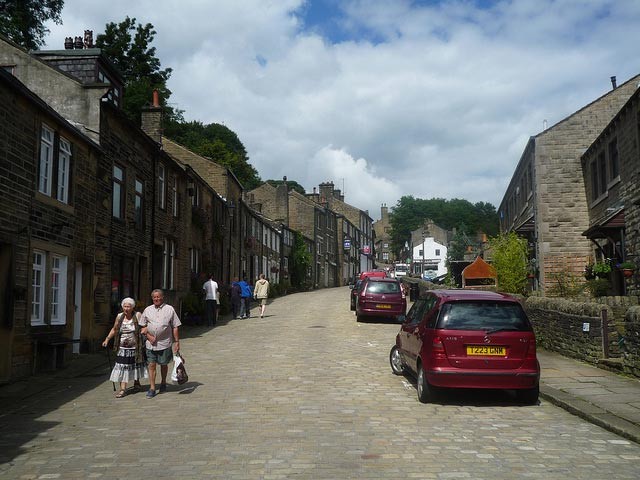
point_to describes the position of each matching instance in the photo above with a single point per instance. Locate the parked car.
(380, 297)
(374, 273)
(354, 293)
(468, 339)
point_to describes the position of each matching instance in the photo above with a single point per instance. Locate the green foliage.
(410, 213)
(291, 185)
(458, 245)
(510, 259)
(598, 287)
(601, 269)
(563, 284)
(23, 21)
(137, 62)
(218, 143)
(627, 266)
(300, 262)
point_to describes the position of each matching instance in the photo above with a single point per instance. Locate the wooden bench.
(50, 340)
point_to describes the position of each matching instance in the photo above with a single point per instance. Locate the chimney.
(68, 43)
(88, 39)
(152, 119)
(613, 82)
(384, 212)
(77, 43)
(282, 201)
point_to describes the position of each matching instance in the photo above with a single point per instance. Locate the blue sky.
(388, 97)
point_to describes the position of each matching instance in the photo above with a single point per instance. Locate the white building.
(429, 258)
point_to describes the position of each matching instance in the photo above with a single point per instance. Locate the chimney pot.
(77, 43)
(68, 43)
(156, 98)
(613, 82)
(88, 39)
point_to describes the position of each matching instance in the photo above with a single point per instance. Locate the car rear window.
(487, 316)
(383, 287)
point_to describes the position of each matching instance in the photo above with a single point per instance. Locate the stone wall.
(631, 343)
(559, 326)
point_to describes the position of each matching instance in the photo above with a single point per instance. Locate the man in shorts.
(160, 324)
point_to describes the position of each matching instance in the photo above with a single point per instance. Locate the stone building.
(48, 171)
(611, 173)
(382, 230)
(331, 197)
(545, 200)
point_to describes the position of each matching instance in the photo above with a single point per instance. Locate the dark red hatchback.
(468, 339)
(380, 297)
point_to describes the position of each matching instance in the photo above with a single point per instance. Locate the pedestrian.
(160, 324)
(245, 298)
(235, 293)
(130, 365)
(261, 292)
(210, 288)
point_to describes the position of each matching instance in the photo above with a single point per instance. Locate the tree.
(410, 213)
(510, 259)
(138, 64)
(291, 185)
(218, 143)
(23, 20)
(300, 262)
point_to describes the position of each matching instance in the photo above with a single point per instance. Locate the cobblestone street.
(304, 393)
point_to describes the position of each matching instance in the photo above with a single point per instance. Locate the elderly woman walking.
(130, 364)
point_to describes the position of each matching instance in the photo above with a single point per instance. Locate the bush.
(598, 287)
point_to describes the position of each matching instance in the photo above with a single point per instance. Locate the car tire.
(528, 396)
(359, 318)
(395, 359)
(425, 391)
(353, 307)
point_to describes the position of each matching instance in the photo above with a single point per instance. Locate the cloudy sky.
(383, 97)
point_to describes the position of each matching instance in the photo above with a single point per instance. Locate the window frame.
(118, 184)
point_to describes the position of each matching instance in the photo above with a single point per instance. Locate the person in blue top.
(245, 298)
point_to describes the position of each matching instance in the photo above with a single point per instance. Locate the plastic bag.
(179, 373)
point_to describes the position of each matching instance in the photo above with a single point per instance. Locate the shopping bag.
(179, 373)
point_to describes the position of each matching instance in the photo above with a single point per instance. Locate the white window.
(51, 268)
(194, 255)
(46, 160)
(162, 194)
(174, 195)
(168, 254)
(118, 192)
(64, 162)
(58, 290)
(37, 288)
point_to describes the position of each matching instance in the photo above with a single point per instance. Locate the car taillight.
(531, 349)
(437, 347)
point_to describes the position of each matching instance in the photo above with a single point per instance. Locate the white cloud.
(440, 104)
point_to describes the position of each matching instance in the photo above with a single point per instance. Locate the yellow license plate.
(486, 350)
(383, 305)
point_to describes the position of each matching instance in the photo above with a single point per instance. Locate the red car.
(468, 339)
(380, 297)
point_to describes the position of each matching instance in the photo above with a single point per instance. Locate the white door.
(77, 312)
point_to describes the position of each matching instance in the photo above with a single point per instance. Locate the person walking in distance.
(245, 299)
(261, 292)
(210, 288)
(235, 293)
(160, 323)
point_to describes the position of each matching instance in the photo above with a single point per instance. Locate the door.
(77, 309)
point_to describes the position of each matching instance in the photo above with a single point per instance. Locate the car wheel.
(397, 367)
(425, 391)
(528, 396)
(353, 306)
(359, 318)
